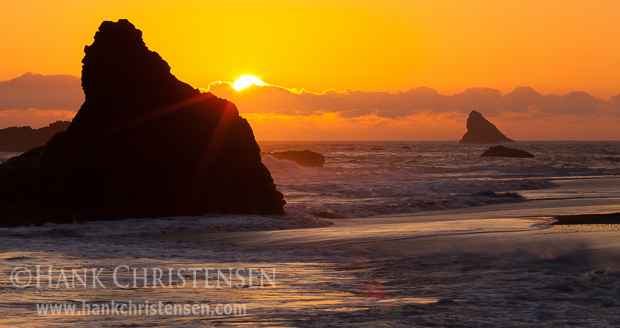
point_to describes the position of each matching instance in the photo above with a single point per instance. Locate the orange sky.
(555, 47)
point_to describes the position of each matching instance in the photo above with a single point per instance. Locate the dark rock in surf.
(304, 158)
(143, 144)
(481, 131)
(501, 151)
(20, 139)
(599, 218)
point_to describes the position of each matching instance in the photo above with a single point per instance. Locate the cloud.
(355, 103)
(43, 92)
(63, 92)
(279, 113)
(34, 118)
(616, 104)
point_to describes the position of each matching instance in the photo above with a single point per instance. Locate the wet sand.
(497, 265)
(498, 227)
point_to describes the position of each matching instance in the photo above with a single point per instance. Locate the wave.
(343, 193)
(374, 178)
(160, 226)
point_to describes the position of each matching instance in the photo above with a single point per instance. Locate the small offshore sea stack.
(143, 144)
(481, 131)
(302, 157)
(501, 151)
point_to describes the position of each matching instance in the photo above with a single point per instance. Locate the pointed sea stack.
(143, 144)
(481, 131)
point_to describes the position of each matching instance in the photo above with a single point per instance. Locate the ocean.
(362, 179)
(393, 234)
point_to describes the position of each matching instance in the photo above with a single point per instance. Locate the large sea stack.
(143, 144)
(481, 131)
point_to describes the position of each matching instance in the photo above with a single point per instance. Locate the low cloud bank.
(46, 92)
(355, 103)
(279, 113)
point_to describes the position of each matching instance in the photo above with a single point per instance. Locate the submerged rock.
(19, 139)
(501, 151)
(143, 144)
(304, 158)
(481, 131)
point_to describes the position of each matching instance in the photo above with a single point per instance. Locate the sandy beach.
(502, 226)
(495, 265)
(502, 264)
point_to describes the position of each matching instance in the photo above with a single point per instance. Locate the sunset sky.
(344, 70)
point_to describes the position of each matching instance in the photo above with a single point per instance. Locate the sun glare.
(246, 81)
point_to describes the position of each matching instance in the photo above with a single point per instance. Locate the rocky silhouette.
(481, 131)
(20, 139)
(143, 144)
(501, 151)
(303, 158)
(600, 218)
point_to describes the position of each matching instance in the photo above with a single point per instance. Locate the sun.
(246, 81)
